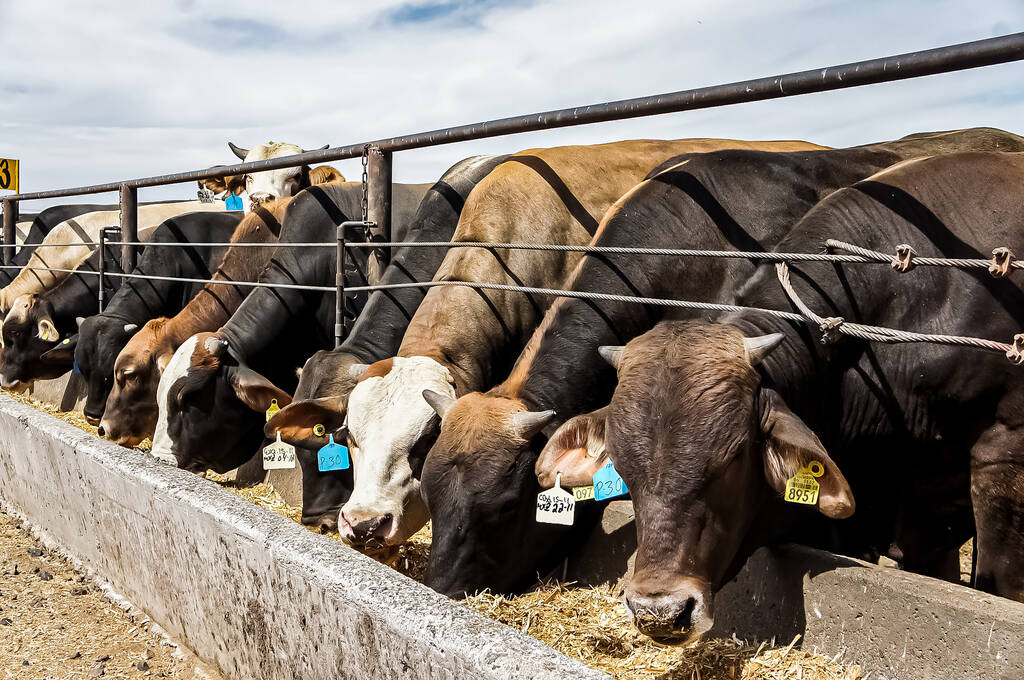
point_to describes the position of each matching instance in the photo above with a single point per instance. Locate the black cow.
(218, 396)
(329, 375)
(710, 420)
(486, 537)
(100, 338)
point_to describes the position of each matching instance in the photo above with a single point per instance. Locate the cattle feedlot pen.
(968, 55)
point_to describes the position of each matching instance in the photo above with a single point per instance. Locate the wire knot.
(1002, 260)
(829, 328)
(904, 260)
(1016, 352)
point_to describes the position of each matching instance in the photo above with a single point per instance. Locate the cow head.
(130, 413)
(705, 450)
(390, 428)
(232, 185)
(271, 184)
(211, 408)
(99, 341)
(480, 488)
(29, 333)
(306, 424)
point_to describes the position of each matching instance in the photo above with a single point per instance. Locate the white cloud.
(96, 92)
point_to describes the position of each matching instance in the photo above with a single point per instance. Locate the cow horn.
(612, 354)
(756, 349)
(441, 403)
(529, 423)
(239, 151)
(129, 327)
(356, 370)
(79, 320)
(325, 146)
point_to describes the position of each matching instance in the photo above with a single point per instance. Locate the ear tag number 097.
(272, 409)
(803, 487)
(279, 455)
(608, 483)
(332, 456)
(556, 506)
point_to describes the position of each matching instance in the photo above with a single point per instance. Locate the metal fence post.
(100, 267)
(10, 235)
(129, 226)
(378, 200)
(339, 283)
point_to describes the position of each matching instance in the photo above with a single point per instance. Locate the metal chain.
(365, 201)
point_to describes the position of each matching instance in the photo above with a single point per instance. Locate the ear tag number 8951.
(803, 487)
(279, 455)
(332, 456)
(556, 506)
(608, 483)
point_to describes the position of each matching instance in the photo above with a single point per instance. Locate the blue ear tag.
(232, 202)
(74, 367)
(332, 456)
(608, 483)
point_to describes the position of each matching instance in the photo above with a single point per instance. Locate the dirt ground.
(55, 623)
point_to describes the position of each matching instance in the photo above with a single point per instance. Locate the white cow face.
(271, 184)
(390, 429)
(176, 368)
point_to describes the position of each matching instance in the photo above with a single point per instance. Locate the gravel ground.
(56, 624)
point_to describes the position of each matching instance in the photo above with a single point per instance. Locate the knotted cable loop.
(829, 328)
(1016, 351)
(904, 260)
(1002, 261)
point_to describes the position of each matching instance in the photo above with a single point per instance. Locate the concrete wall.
(254, 594)
(893, 623)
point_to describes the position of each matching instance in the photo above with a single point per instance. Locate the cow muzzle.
(679, 616)
(358, 528)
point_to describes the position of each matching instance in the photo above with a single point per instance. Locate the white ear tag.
(279, 455)
(556, 506)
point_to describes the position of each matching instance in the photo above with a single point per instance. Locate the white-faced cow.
(273, 184)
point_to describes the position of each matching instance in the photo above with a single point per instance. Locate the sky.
(94, 92)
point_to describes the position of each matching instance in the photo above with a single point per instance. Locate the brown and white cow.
(462, 339)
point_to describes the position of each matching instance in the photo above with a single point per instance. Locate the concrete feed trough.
(262, 597)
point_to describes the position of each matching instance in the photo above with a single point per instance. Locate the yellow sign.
(9, 174)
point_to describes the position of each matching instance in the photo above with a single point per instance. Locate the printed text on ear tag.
(583, 493)
(608, 483)
(272, 409)
(803, 487)
(556, 506)
(232, 203)
(279, 455)
(332, 456)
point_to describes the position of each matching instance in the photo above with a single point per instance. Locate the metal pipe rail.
(947, 59)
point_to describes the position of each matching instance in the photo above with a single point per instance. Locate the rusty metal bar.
(968, 55)
(129, 225)
(378, 201)
(10, 234)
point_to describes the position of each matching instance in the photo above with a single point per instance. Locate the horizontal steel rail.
(947, 59)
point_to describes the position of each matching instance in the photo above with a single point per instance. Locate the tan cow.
(64, 247)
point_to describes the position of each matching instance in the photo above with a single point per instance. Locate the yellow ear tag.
(319, 430)
(66, 341)
(583, 493)
(274, 408)
(803, 487)
(45, 334)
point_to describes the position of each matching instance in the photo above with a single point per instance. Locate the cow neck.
(379, 329)
(560, 368)
(77, 294)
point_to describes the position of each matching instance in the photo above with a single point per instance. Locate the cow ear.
(790, 445)
(162, 360)
(576, 450)
(63, 353)
(47, 331)
(307, 423)
(255, 391)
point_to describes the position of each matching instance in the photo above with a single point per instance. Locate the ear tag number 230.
(803, 487)
(332, 456)
(279, 455)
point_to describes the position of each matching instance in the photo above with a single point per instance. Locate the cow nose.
(102, 429)
(682, 614)
(359, 528)
(261, 197)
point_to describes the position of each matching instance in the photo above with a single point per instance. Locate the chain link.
(365, 201)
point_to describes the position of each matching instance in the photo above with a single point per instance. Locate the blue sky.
(93, 92)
